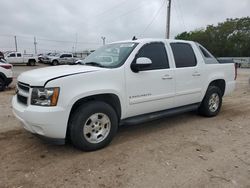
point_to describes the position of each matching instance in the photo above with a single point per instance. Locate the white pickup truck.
(19, 58)
(147, 79)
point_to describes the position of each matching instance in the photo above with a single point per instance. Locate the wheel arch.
(220, 83)
(110, 98)
(32, 60)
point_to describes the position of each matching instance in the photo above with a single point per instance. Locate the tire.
(2, 85)
(32, 62)
(212, 102)
(54, 62)
(87, 120)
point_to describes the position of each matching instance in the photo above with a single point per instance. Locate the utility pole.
(103, 40)
(15, 42)
(35, 43)
(168, 19)
(76, 42)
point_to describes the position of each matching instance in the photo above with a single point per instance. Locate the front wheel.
(211, 103)
(55, 62)
(93, 126)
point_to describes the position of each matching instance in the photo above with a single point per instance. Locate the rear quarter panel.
(220, 71)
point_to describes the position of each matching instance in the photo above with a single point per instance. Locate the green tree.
(227, 39)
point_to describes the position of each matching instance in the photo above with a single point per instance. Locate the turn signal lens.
(54, 97)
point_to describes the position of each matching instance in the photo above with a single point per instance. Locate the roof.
(144, 40)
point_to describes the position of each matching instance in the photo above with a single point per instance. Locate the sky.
(76, 25)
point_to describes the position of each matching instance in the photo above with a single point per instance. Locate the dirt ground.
(181, 151)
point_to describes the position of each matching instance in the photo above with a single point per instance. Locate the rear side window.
(19, 55)
(158, 55)
(183, 55)
(204, 52)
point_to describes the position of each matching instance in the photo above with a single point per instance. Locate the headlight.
(45, 96)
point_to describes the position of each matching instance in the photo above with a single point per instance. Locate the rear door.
(70, 58)
(63, 59)
(188, 74)
(153, 87)
(19, 58)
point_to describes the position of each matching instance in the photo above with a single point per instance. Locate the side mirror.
(140, 63)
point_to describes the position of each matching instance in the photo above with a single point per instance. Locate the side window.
(63, 56)
(19, 55)
(204, 52)
(158, 55)
(12, 55)
(183, 55)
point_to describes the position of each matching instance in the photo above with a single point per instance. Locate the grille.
(23, 86)
(22, 99)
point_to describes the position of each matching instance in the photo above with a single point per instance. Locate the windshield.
(111, 55)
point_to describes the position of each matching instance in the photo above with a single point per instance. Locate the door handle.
(196, 74)
(167, 77)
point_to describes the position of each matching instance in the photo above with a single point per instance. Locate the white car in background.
(6, 74)
(19, 58)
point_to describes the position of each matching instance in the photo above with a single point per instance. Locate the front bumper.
(46, 61)
(47, 122)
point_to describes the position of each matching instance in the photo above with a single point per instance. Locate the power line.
(178, 5)
(153, 19)
(178, 16)
(46, 39)
(65, 41)
(108, 10)
(121, 15)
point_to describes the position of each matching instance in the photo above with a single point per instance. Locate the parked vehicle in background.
(6, 74)
(1, 55)
(19, 58)
(147, 79)
(44, 58)
(62, 58)
(101, 59)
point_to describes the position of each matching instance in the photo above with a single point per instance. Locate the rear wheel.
(2, 84)
(32, 62)
(93, 126)
(211, 103)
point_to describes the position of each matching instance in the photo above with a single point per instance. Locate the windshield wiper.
(93, 64)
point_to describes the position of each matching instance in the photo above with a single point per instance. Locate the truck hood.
(39, 77)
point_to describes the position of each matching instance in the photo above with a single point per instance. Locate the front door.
(11, 58)
(153, 87)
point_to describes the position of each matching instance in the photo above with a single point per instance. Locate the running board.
(158, 115)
